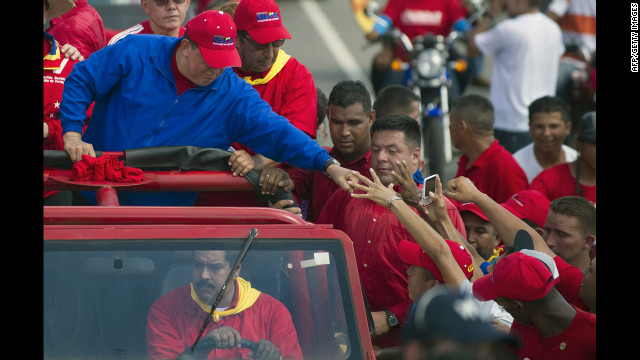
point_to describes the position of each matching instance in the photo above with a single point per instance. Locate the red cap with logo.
(474, 209)
(261, 19)
(529, 204)
(517, 276)
(413, 254)
(215, 34)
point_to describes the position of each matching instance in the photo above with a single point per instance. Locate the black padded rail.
(167, 158)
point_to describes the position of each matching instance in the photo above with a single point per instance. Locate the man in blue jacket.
(155, 90)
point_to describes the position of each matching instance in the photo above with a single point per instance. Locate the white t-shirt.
(528, 162)
(494, 310)
(526, 52)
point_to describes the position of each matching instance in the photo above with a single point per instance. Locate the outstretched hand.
(373, 190)
(342, 177)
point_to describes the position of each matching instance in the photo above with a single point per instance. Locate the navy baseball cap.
(443, 313)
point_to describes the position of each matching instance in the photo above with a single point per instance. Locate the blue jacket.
(137, 105)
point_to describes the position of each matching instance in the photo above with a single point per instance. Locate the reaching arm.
(435, 214)
(506, 224)
(424, 235)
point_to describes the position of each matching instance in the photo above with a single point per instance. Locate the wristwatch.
(391, 319)
(329, 162)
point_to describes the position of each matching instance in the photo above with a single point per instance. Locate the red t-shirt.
(81, 27)
(577, 342)
(175, 319)
(495, 172)
(557, 181)
(421, 17)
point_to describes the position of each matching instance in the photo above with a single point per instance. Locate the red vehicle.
(105, 265)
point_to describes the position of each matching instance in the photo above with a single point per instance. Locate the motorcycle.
(437, 72)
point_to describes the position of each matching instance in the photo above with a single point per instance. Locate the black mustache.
(205, 284)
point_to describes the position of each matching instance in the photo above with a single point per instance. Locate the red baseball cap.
(473, 208)
(261, 19)
(215, 34)
(413, 254)
(517, 276)
(529, 204)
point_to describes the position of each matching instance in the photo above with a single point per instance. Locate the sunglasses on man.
(276, 44)
(165, 2)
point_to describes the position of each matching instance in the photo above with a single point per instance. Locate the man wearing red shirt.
(165, 18)
(81, 27)
(280, 79)
(577, 177)
(507, 218)
(549, 327)
(350, 117)
(484, 161)
(174, 320)
(376, 231)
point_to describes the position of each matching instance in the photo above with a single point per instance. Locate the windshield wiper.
(252, 234)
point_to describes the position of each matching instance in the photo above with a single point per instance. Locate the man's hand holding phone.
(429, 185)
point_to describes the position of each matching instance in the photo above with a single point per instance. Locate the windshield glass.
(140, 299)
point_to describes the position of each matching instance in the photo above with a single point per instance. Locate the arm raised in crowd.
(424, 234)
(506, 224)
(436, 214)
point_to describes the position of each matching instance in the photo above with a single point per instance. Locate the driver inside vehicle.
(175, 319)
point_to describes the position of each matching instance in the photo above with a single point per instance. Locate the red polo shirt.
(495, 172)
(557, 181)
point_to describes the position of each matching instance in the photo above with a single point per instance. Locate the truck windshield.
(102, 298)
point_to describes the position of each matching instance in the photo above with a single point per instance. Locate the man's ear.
(145, 6)
(433, 283)
(415, 157)
(589, 240)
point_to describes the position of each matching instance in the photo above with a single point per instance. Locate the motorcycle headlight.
(429, 63)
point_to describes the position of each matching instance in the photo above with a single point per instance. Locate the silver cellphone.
(429, 185)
